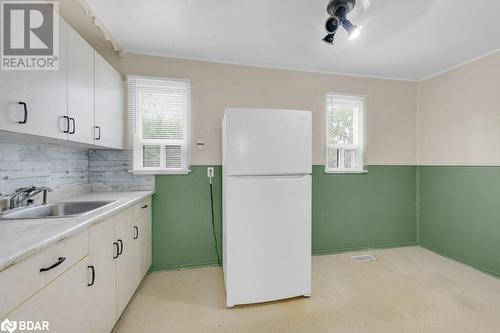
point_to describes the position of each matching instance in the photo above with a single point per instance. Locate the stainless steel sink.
(54, 210)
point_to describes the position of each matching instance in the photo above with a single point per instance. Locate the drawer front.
(64, 303)
(24, 279)
(144, 208)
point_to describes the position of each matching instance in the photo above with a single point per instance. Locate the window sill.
(346, 172)
(159, 172)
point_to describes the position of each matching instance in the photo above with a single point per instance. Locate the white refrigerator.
(267, 162)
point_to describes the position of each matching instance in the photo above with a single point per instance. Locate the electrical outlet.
(210, 172)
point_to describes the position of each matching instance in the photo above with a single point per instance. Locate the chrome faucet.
(24, 194)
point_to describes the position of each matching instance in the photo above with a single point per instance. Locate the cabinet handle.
(74, 126)
(120, 248)
(145, 206)
(136, 234)
(54, 265)
(67, 124)
(117, 250)
(99, 131)
(93, 276)
(25, 110)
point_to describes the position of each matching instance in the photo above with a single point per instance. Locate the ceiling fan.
(338, 10)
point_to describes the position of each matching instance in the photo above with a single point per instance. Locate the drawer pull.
(25, 111)
(60, 260)
(120, 248)
(99, 135)
(145, 206)
(117, 250)
(73, 131)
(67, 124)
(136, 234)
(93, 276)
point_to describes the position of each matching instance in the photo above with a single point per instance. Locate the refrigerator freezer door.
(267, 141)
(267, 238)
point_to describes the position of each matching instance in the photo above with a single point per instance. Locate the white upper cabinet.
(82, 101)
(12, 91)
(109, 105)
(45, 94)
(80, 88)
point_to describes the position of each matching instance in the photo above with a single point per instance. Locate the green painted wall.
(459, 214)
(355, 211)
(182, 229)
(376, 209)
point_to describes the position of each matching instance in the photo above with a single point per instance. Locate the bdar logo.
(8, 326)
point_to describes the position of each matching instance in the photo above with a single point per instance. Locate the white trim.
(347, 96)
(344, 172)
(444, 164)
(459, 65)
(281, 68)
(392, 164)
(359, 128)
(159, 78)
(160, 172)
(139, 142)
(284, 68)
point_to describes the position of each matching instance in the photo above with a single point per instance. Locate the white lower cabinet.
(102, 276)
(133, 232)
(127, 276)
(145, 232)
(87, 291)
(63, 303)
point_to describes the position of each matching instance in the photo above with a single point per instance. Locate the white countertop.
(20, 239)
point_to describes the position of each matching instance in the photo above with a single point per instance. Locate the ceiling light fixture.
(331, 26)
(338, 10)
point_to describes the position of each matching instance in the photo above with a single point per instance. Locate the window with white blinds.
(159, 118)
(345, 132)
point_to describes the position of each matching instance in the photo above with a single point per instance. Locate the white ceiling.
(403, 39)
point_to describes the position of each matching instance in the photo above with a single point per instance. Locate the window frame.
(360, 128)
(137, 142)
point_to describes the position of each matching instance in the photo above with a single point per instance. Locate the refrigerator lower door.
(267, 238)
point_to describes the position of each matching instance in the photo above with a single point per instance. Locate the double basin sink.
(54, 210)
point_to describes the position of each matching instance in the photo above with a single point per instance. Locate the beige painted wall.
(391, 105)
(459, 115)
(457, 122)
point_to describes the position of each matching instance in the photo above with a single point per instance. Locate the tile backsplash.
(110, 171)
(24, 164)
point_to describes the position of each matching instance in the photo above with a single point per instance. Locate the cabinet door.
(144, 235)
(127, 272)
(12, 91)
(102, 291)
(109, 105)
(47, 95)
(80, 87)
(64, 303)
